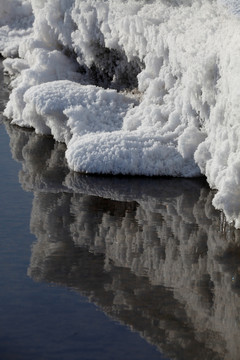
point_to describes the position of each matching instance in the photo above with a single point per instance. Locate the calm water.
(110, 268)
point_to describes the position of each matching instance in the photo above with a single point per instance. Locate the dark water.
(110, 268)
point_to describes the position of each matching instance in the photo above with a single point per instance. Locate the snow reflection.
(151, 253)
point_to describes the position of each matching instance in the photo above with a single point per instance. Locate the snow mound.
(132, 87)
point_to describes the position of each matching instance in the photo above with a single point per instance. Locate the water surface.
(110, 267)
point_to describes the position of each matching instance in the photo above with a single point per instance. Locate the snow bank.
(132, 87)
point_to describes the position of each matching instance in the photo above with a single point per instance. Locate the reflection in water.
(4, 91)
(151, 253)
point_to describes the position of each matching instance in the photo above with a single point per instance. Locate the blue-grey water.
(110, 267)
(44, 320)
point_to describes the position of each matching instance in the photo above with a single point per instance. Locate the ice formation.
(140, 87)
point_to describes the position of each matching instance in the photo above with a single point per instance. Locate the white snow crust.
(15, 25)
(140, 87)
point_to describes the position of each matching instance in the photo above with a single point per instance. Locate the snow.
(15, 25)
(132, 87)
